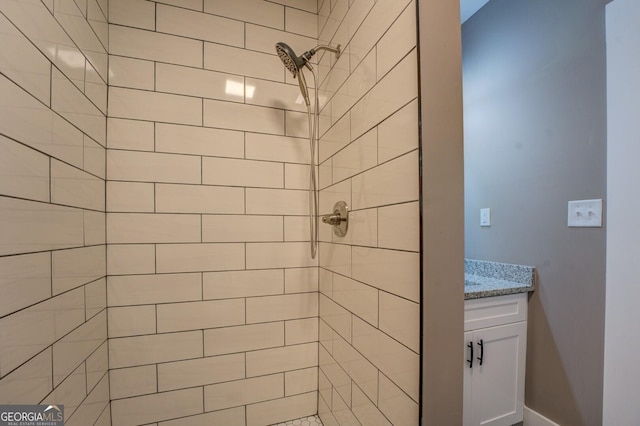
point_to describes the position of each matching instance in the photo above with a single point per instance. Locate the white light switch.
(485, 217)
(585, 213)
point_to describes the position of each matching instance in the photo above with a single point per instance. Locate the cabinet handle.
(470, 360)
(481, 357)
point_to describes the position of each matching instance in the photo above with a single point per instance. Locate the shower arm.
(309, 53)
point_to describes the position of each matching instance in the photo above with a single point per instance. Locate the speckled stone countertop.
(486, 279)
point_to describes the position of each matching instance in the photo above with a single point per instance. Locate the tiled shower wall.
(53, 102)
(212, 294)
(370, 279)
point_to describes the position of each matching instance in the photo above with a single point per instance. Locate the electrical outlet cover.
(585, 213)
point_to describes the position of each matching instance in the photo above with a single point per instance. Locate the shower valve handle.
(339, 219)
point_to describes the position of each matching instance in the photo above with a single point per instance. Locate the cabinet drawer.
(492, 311)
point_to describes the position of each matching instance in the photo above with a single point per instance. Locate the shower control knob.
(339, 219)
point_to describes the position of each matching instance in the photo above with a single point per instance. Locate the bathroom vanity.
(495, 339)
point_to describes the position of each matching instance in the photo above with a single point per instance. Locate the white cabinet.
(495, 342)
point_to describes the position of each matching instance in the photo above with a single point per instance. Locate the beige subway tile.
(331, 195)
(277, 148)
(300, 280)
(296, 228)
(277, 201)
(93, 408)
(361, 371)
(41, 28)
(95, 88)
(342, 410)
(230, 417)
(361, 80)
(130, 197)
(240, 228)
(23, 63)
(336, 317)
(73, 187)
(242, 62)
(392, 358)
(154, 106)
(154, 46)
(68, 101)
(148, 289)
(152, 228)
(188, 4)
(397, 41)
(71, 391)
(397, 226)
(199, 199)
(24, 172)
(340, 380)
(157, 348)
(230, 284)
(136, 13)
(28, 226)
(95, 297)
(356, 297)
(301, 381)
(76, 346)
(74, 267)
(324, 394)
(200, 315)
(394, 182)
(161, 406)
(129, 134)
(95, 158)
(279, 410)
(200, 26)
(30, 382)
(94, 224)
(301, 331)
(173, 138)
(360, 155)
(268, 361)
(336, 258)
(278, 255)
(27, 332)
(363, 229)
(233, 116)
(275, 94)
(30, 122)
(97, 365)
(124, 259)
(201, 371)
(301, 22)
(297, 124)
(283, 307)
(296, 176)
(242, 392)
(336, 138)
(130, 72)
(263, 39)
(398, 134)
(24, 280)
(325, 282)
(395, 90)
(243, 338)
(133, 381)
(394, 271)
(365, 411)
(395, 404)
(198, 82)
(131, 320)
(158, 167)
(259, 12)
(235, 172)
(199, 257)
(400, 319)
(97, 18)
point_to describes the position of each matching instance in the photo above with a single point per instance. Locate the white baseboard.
(532, 418)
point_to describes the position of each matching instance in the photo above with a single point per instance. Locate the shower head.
(288, 57)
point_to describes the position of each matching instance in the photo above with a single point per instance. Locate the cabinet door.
(469, 413)
(498, 384)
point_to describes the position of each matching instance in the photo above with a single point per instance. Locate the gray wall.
(535, 138)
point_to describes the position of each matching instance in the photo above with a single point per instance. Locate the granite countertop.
(486, 279)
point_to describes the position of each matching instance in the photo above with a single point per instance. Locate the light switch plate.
(485, 217)
(585, 213)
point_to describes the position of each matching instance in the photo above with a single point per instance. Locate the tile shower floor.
(305, 421)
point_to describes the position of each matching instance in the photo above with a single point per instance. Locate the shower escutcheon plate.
(339, 219)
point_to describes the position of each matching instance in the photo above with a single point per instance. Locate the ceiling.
(469, 7)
